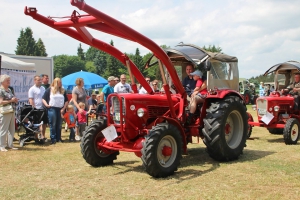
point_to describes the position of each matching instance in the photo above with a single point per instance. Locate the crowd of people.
(53, 100)
(265, 89)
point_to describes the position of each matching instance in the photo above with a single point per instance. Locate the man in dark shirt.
(188, 82)
(92, 103)
(45, 81)
(294, 90)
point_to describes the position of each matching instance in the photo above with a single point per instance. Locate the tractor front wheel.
(91, 152)
(161, 152)
(247, 98)
(225, 128)
(291, 131)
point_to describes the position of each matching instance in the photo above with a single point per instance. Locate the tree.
(90, 67)
(213, 48)
(138, 61)
(65, 65)
(80, 52)
(113, 65)
(91, 54)
(40, 49)
(100, 63)
(26, 43)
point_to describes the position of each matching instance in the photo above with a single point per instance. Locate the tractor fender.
(250, 118)
(178, 125)
(221, 94)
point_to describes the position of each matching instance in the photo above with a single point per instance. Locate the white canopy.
(10, 63)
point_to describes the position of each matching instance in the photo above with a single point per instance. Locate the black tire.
(247, 97)
(89, 150)
(249, 131)
(254, 99)
(225, 128)
(155, 162)
(291, 131)
(277, 131)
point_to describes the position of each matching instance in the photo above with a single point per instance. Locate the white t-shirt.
(120, 88)
(143, 91)
(36, 93)
(57, 100)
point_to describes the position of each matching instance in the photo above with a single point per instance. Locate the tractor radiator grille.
(155, 111)
(262, 106)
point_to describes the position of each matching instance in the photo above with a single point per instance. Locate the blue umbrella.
(91, 80)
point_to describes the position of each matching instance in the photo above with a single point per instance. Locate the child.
(70, 118)
(82, 120)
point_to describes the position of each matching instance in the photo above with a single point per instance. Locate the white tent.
(10, 63)
(21, 75)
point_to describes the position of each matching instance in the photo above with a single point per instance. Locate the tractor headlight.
(276, 108)
(141, 112)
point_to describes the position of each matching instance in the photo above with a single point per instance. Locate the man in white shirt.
(35, 95)
(143, 90)
(122, 86)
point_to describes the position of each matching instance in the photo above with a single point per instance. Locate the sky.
(260, 33)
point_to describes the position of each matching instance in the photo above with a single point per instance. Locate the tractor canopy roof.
(197, 55)
(192, 53)
(289, 65)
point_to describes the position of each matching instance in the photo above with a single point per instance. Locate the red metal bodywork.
(76, 27)
(286, 108)
(132, 132)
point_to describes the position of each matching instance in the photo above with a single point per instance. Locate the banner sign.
(21, 81)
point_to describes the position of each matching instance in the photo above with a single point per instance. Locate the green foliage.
(138, 61)
(100, 62)
(40, 49)
(261, 78)
(80, 52)
(65, 65)
(91, 54)
(212, 48)
(26, 44)
(90, 67)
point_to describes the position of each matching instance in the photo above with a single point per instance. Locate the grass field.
(268, 169)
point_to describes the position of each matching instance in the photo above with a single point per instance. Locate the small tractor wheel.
(247, 97)
(249, 131)
(161, 152)
(291, 131)
(89, 148)
(277, 131)
(225, 128)
(250, 119)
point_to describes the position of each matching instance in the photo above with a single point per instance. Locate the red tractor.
(276, 112)
(153, 125)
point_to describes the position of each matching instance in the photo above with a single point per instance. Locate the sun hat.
(197, 73)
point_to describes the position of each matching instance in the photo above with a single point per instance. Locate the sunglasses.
(148, 80)
(117, 80)
(154, 84)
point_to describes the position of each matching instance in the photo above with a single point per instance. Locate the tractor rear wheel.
(90, 151)
(161, 152)
(291, 131)
(225, 128)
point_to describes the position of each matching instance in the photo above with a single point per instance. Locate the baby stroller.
(29, 121)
